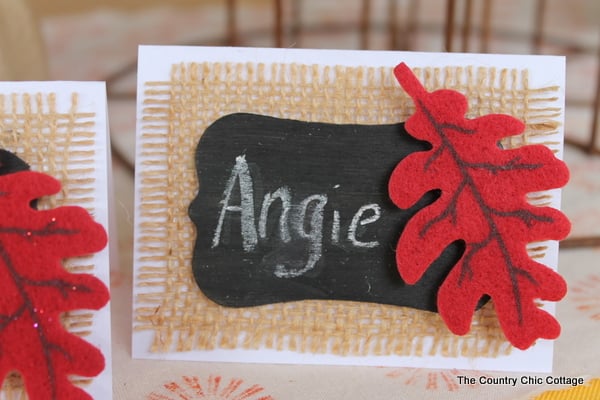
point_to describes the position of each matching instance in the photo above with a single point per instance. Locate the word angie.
(303, 221)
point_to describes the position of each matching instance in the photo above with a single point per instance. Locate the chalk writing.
(357, 221)
(240, 173)
(283, 194)
(305, 220)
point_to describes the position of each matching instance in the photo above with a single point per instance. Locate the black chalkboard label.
(291, 210)
(11, 163)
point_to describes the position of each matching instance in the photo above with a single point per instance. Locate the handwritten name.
(306, 224)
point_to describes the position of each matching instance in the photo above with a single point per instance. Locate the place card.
(54, 253)
(348, 207)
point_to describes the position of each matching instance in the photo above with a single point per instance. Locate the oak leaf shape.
(482, 203)
(35, 288)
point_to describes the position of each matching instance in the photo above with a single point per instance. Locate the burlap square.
(175, 114)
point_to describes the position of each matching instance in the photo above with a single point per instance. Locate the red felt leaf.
(35, 288)
(483, 204)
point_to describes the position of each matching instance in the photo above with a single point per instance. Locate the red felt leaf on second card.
(36, 289)
(482, 203)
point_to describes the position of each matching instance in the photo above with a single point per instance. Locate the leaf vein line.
(29, 307)
(466, 267)
(48, 230)
(513, 270)
(450, 210)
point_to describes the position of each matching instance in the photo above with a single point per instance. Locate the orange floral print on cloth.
(35, 288)
(482, 203)
(431, 379)
(586, 296)
(215, 387)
